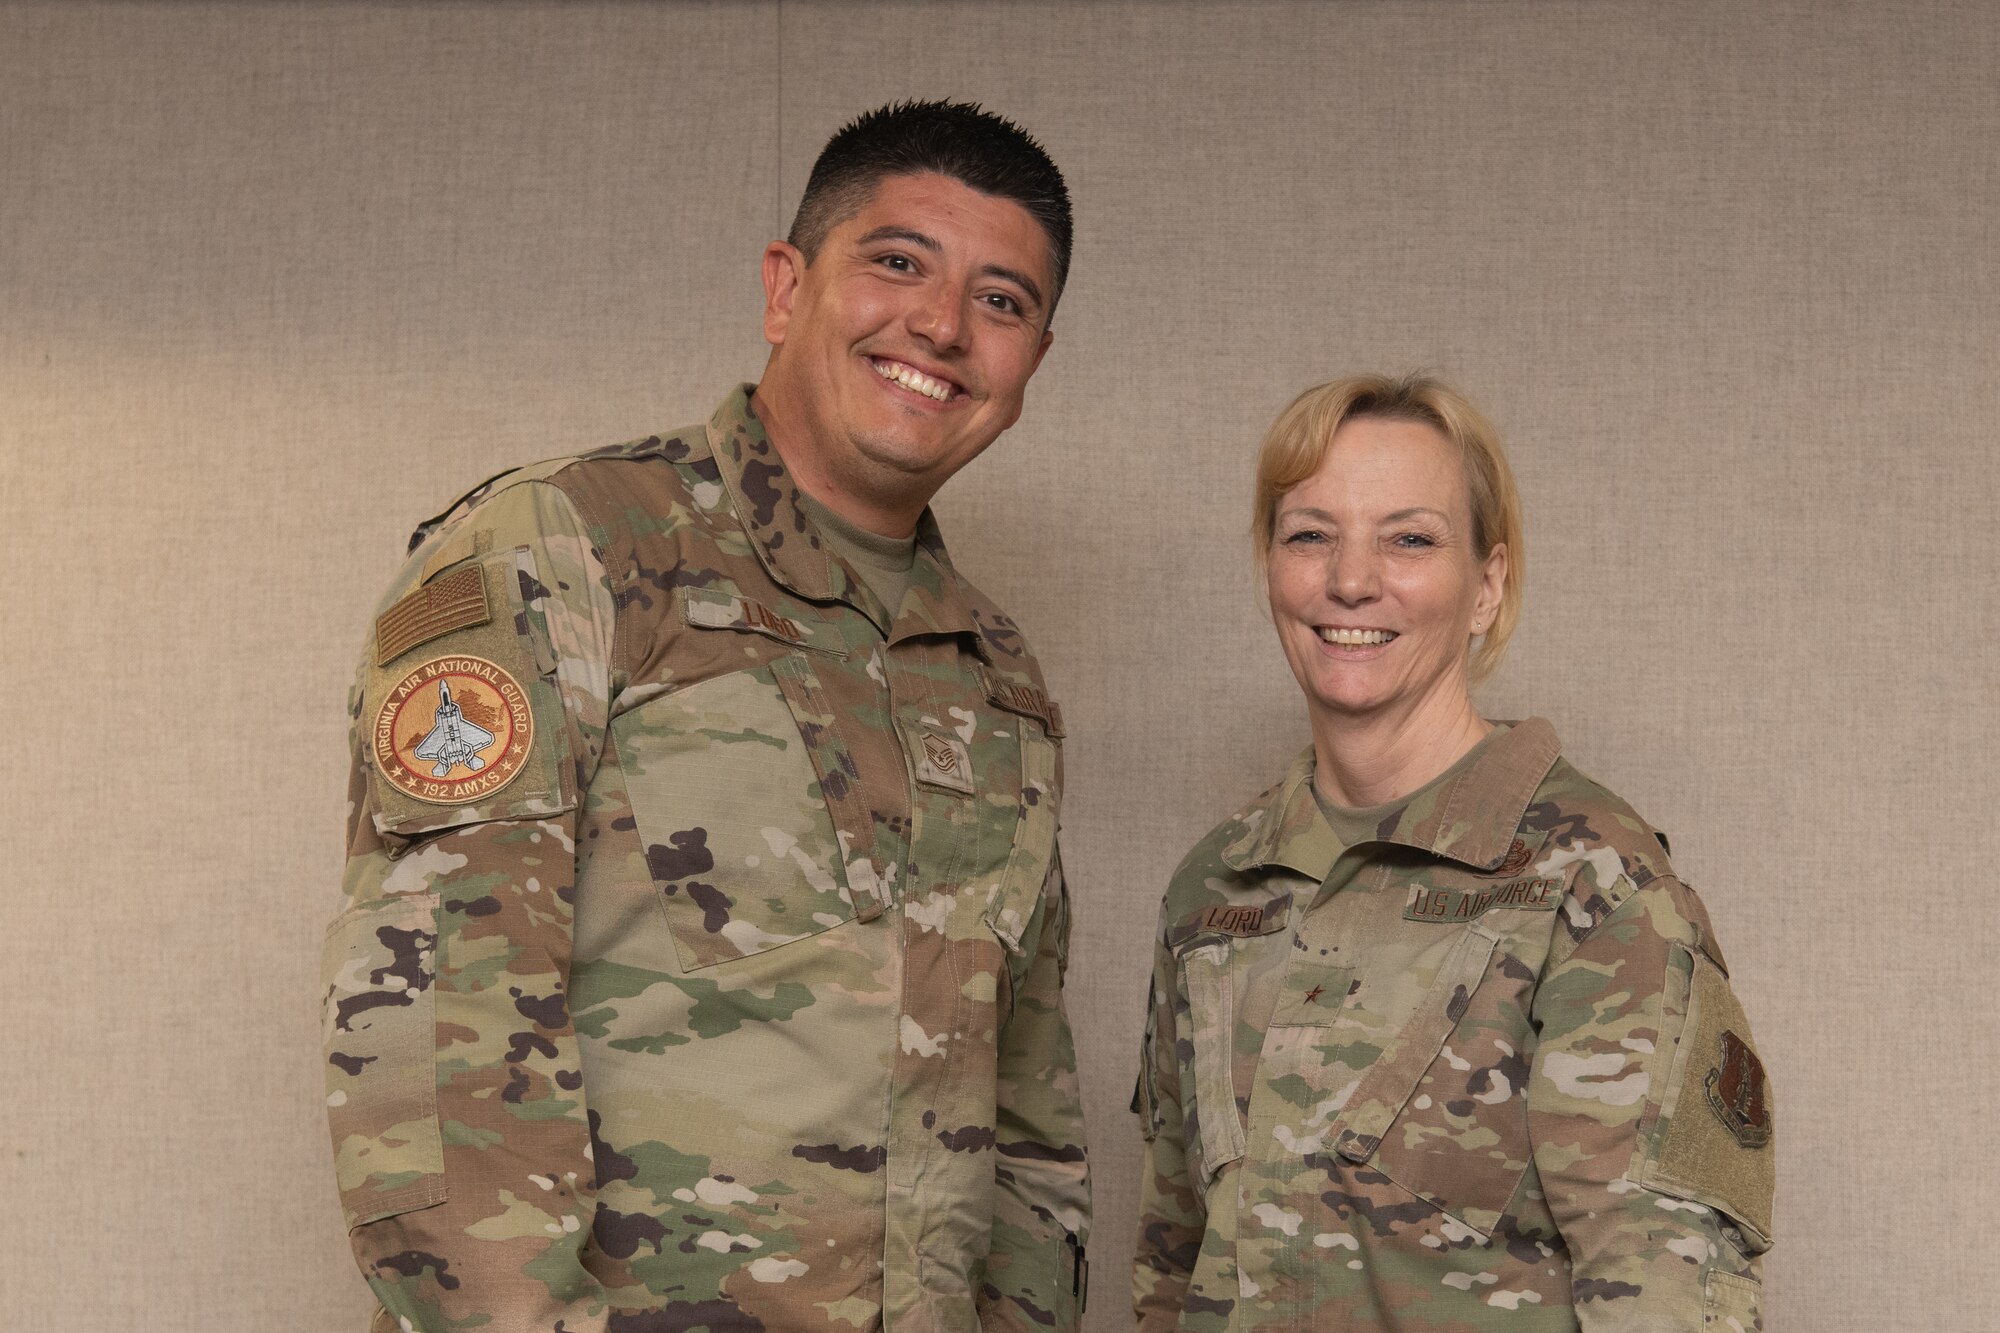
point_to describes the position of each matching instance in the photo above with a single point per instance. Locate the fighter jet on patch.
(453, 740)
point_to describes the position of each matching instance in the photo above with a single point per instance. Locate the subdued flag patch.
(453, 601)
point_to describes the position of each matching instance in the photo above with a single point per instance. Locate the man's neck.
(789, 432)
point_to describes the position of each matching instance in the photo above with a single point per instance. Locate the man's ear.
(784, 270)
(1048, 336)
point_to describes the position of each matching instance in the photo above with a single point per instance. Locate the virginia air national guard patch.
(453, 730)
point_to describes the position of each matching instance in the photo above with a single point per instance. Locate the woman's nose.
(1352, 576)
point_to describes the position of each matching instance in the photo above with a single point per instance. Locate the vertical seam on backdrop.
(778, 167)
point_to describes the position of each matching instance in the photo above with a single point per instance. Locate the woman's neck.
(1369, 760)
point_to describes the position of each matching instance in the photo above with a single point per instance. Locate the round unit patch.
(453, 730)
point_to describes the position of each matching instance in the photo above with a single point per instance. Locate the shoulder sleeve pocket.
(380, 1038)
(1714, 1142)
(464, 725)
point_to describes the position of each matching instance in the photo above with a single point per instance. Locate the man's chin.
(914, 459)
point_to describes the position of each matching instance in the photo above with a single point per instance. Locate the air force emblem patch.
(1735, 1087)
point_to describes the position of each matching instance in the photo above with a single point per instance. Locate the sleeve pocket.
(1715, 1143)
(380, 1038)
(467, 726)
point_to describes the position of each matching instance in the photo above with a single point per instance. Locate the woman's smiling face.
(1375, 583)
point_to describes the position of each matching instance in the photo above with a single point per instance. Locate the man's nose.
(939, 317)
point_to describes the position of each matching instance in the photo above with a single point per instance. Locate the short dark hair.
(974, 147)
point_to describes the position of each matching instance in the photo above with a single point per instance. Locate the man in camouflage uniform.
(702, 957)
(1471, 1061)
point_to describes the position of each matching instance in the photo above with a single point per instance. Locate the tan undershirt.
(885, 564)
(1352, 825)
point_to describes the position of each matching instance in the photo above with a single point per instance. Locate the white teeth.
(1356, 637)
(913, 379)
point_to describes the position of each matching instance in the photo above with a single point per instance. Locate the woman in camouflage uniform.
(1437, 1039)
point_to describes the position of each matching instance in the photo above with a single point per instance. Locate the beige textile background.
(277, 281)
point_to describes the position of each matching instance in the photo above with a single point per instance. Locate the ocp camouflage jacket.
(1497, 1080)
(702, 957)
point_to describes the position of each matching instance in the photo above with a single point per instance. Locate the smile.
(913, 379)
(1353, 638)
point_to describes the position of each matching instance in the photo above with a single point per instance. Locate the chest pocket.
(746, 801)
(1443, 1111)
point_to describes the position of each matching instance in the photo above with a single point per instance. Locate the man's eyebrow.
(1019, 279)
(915, 238)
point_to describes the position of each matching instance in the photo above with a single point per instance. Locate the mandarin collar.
(1473, 818)
(792, 551)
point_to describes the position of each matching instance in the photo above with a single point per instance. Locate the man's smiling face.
(904, 348)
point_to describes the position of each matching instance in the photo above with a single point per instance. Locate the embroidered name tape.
(713, 608)
(1027, 700)
(1466, 904)
(1235, 920)
(1242, 921)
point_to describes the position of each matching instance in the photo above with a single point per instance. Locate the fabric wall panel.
(283, 279)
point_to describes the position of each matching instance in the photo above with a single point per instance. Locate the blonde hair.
(1297, 442)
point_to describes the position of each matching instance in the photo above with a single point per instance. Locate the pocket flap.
(1379, 1098)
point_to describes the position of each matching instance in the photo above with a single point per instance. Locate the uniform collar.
(794, 554)
(1473, 818)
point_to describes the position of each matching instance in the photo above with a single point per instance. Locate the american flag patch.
(453, 601)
